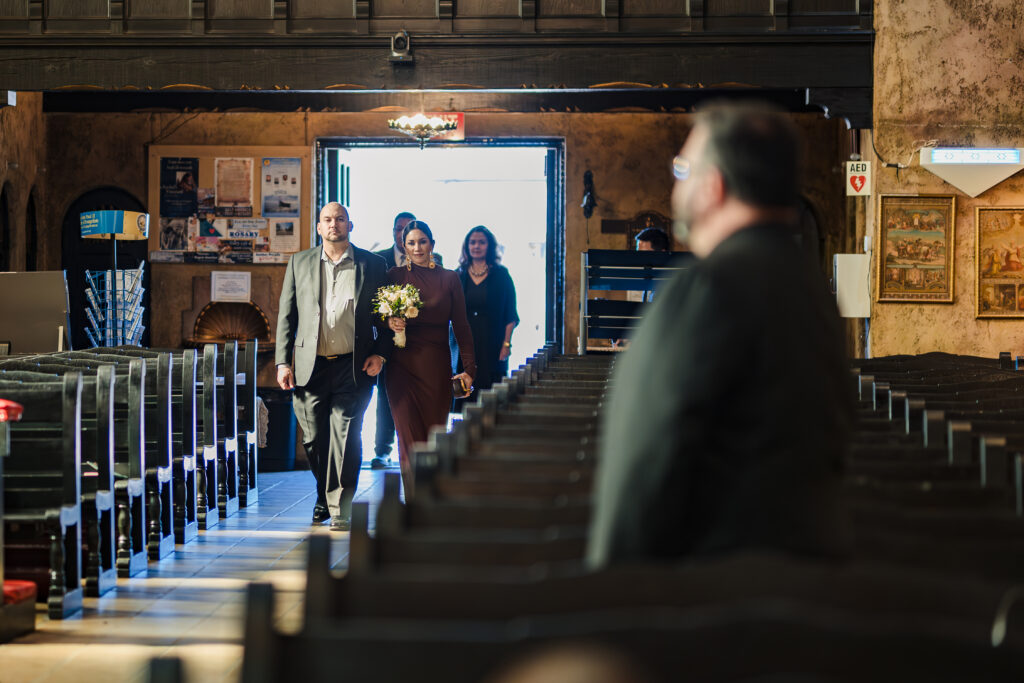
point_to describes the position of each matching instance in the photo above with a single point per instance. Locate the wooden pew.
(17, 599)
(42, 495)
(129, 453)
(157, 405)
(228, 446)
(97, 473)
(780, 639)
(185, 421)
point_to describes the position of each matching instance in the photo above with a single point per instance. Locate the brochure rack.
(115, 306)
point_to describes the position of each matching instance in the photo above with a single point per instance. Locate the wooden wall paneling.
(84, 16)
(159, 9)
(653, 16)
(490, 16)
(445, 13)
(574, 15)
(406, 9)
(164, 16)
(571, 8)
(13, 9)
(323, 9)
(81, 9)
(695, 10)
(329, 16)
(240, 9)
(739, 15)
(478, 9)
(865, 9)
(824, 14)
(780, 13)
(241, 16)
(14, 16)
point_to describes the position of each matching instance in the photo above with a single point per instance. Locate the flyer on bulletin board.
(232, 181)
(282, 187)
(179, 181)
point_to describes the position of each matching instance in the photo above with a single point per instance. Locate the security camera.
(401, 47)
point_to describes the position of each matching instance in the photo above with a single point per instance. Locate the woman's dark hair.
(417, 225)
(492, 247)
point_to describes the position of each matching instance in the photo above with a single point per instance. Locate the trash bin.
(279, 455)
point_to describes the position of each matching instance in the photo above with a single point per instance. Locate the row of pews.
(121, 453)
(483, 565)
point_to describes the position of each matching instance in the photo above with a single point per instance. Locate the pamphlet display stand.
(115, 306)
(115, 296)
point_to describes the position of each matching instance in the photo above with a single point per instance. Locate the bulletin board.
(229, 205)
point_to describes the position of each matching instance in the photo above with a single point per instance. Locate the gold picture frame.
(916, 240)
(998, 265)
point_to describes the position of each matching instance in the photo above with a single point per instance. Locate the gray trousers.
(329, 409)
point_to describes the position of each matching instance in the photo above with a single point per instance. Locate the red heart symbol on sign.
(858, 182)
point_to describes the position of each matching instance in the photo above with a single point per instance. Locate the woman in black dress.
(490, 307)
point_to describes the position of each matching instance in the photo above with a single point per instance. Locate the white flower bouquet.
(398, 301)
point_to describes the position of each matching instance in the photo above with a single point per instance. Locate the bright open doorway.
(512, 187)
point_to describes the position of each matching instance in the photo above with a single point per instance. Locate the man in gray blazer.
(326, 322)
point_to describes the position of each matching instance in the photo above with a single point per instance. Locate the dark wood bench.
(42, 513)
(18, 598)
(780, 639)
(129, 449)
(184, 424)
(97, 474)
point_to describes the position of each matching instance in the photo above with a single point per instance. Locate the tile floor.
(189, 605)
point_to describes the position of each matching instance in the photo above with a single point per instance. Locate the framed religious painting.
(915, 247)
(999, 261)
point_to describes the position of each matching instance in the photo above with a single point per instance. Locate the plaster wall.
(23, 172)
(948, 71)
(629, 154)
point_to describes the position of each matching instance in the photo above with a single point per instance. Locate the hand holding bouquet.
(398, 301)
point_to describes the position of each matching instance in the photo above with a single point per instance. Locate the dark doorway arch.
(5, 228)
(31, 234)
(808, 232)
(79, 254)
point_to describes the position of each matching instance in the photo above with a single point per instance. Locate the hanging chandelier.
(423, 128)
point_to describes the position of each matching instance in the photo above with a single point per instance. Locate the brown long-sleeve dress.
(418, 377)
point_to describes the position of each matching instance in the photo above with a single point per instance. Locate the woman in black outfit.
(490, 307)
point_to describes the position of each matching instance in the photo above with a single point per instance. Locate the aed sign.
(858, 178)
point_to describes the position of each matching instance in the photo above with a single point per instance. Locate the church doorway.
(514, 187)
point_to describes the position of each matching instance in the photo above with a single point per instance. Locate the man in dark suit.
(326, 321)
(728, 423)
(393, 255)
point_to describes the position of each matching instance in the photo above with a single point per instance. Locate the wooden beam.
(313, 63)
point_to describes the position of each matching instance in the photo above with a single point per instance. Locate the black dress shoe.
(380, 463)
(340, 524)
(320, 514)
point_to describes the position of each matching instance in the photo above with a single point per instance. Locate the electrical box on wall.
(852, 278)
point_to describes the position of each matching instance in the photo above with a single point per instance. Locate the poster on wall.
(173, 234)
(206, 198)
(179, 181)
(999, 262)
(916, 248)
(232, 180)
(284, 235)
(281, 185)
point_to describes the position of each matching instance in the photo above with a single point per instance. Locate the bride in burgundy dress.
(419, 377)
